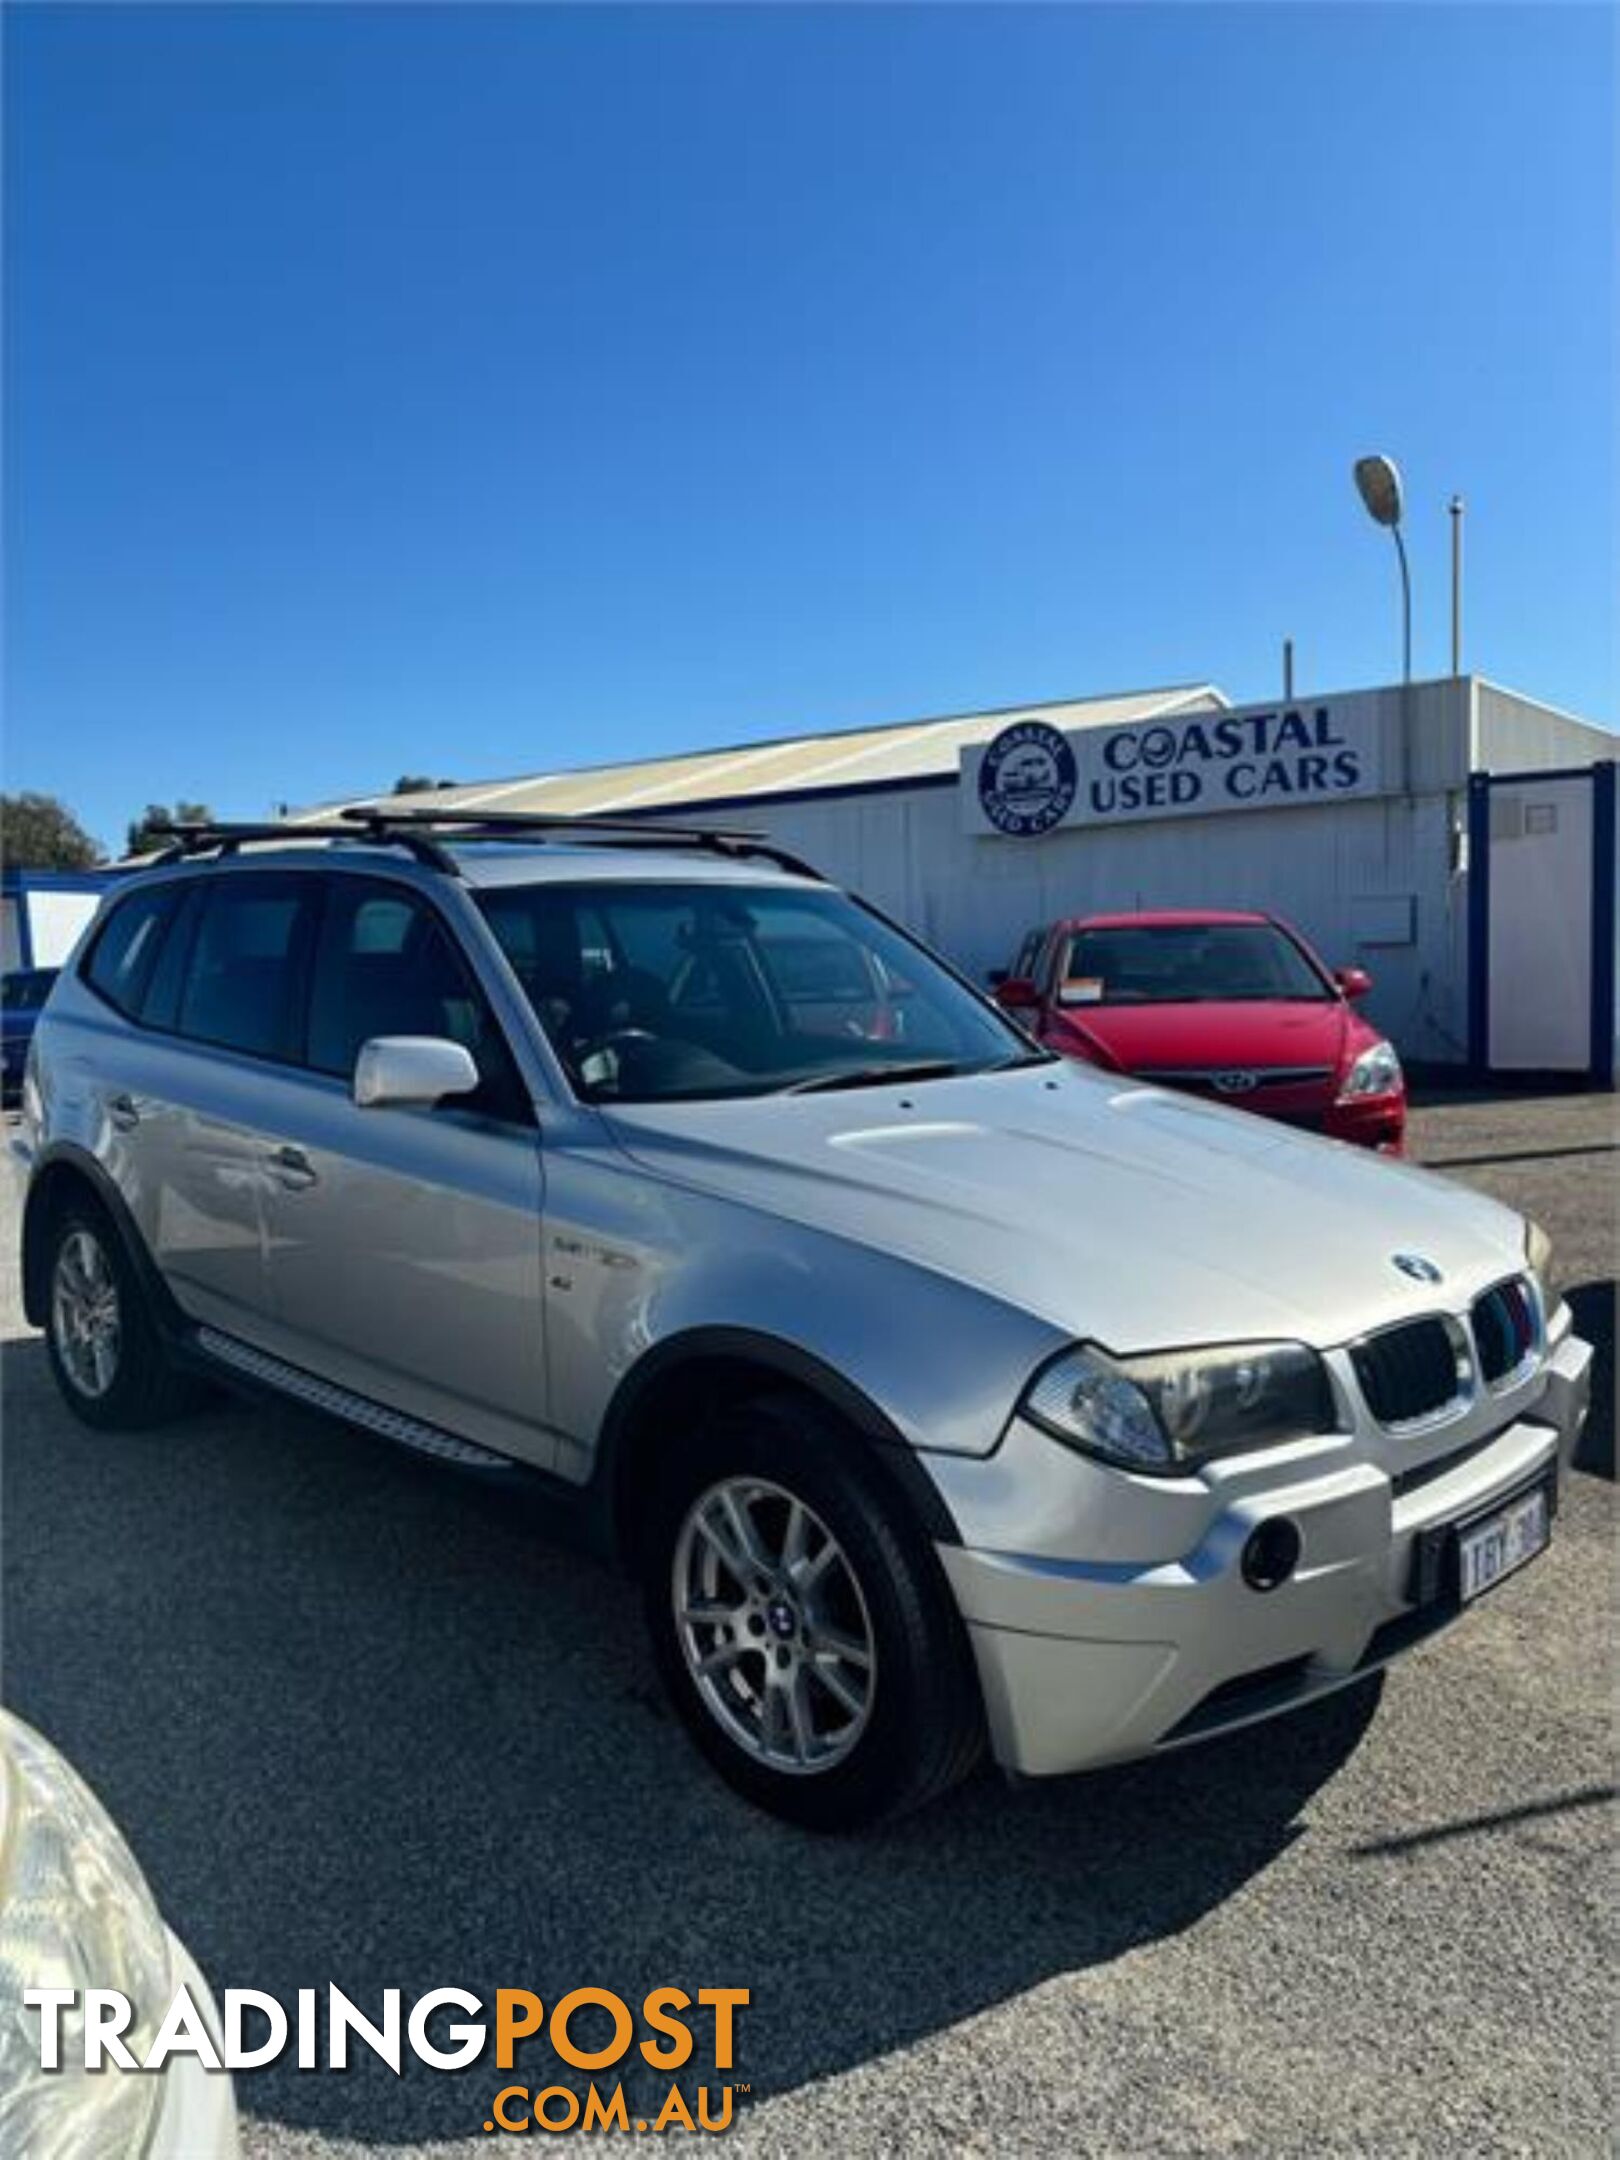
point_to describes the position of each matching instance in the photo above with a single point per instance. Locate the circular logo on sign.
(1027, 779)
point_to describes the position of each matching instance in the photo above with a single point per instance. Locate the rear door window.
(243, 984)
(160, 1006)
(121, 960)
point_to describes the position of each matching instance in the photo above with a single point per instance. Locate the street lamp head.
(1379, 484)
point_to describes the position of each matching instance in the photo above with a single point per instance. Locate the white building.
(1364, 817)
(43, 914)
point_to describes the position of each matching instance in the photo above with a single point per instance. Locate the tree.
(418, 784)
(37, 832)
(142, 838)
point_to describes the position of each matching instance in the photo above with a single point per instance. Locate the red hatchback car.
(1230, 1005)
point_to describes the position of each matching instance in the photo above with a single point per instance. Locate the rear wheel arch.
(110, 1323)
(50, 1189)
(698, 1374)
(66, 1176)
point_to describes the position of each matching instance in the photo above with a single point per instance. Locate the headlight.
(75, 1912)
(1174, 1410)
(1538, 1256)
(1376, 1072)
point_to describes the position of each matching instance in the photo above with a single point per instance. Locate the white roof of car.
(559, 863)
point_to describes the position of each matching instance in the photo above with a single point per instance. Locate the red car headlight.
(1377, 1071)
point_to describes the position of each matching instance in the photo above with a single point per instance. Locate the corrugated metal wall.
(1379, 883)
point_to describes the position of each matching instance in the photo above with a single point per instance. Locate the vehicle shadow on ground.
(362, 1722)
(1593, 1305)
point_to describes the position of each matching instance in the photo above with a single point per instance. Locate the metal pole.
(1288, 671)
(1456, 583)
(1406, 606)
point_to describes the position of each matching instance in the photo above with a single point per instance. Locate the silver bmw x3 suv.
(934, 1389)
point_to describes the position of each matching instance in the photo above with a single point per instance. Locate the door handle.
(293, 1167)
(123, 1111)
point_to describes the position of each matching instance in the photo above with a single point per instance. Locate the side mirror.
(404, 1069)
(1353, 982)
(1016, 993)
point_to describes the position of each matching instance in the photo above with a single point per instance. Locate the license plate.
(1491, 1549)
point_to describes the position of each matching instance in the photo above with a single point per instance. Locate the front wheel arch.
(702, 1372)
(923, 1727)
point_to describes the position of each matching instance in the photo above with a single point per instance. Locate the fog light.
(1270, 1553)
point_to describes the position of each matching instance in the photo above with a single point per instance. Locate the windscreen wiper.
(1019, 1060)
(854, 1076)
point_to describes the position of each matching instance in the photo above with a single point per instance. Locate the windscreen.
(655, 992)
(1188, 964)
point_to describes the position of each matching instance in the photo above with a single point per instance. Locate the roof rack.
(430, 834)
(184, 839)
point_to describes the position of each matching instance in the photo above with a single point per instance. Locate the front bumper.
(1374, 1121)
(1085, 1662)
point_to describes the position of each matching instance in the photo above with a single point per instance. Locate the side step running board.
(342, 1402)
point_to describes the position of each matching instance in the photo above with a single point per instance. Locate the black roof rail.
(454, 826)
(187, 838)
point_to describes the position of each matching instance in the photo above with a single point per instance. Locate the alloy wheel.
(86, 1322)
(773, 1626)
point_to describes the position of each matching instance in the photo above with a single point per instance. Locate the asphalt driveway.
(363, 1721)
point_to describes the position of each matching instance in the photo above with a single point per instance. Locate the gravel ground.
(362, 1721)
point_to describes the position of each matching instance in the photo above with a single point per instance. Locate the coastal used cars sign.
(1032, 778)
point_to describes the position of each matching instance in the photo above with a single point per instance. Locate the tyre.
(801, 1622)
(111, 1363)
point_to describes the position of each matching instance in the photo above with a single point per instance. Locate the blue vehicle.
(22, 999)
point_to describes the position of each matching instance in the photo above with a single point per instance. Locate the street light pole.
(1456, 583)
(1406, 607)
(1379, 485)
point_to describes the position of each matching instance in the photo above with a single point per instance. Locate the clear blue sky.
(484, 391)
